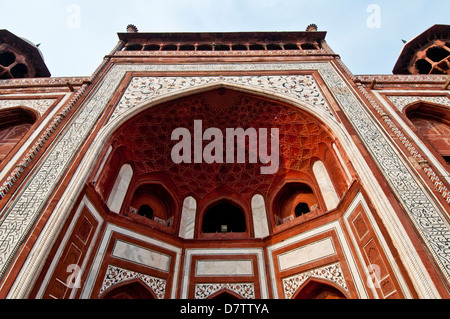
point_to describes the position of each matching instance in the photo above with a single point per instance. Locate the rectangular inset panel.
(306, 254)
(224, 268)
(140, 255)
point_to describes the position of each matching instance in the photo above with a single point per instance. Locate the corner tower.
(427, 53)
(19, 58)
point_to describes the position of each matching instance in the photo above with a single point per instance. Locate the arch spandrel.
(144, 92)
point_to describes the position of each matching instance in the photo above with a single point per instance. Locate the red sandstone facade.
(94, 206)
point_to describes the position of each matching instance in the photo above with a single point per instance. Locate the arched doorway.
(314, 289)
(131, 290)
(224, 217)
(224, 294)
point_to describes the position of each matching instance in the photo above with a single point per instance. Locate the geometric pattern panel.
(245, 290)
(115, 275)
(331, 272)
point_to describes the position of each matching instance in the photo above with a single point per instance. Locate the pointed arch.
(290, 198)
(432, 122)
(15, 123)
(130, 289)
(224, 294)
(316, 288)
(224, 216)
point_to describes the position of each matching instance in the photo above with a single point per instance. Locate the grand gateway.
(93, 206)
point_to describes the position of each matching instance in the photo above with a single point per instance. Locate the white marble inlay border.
(189, 253)
(100, 253)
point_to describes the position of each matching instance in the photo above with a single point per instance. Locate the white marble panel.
(306, 254)
(326, 185)
(140, 255)
(224, 268)
(120, 188)
(187, 224)
(260, 225)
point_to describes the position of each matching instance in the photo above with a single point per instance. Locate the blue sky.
(75, 35)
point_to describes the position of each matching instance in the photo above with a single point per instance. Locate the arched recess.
(14, 125)
(225, 294)
(432, 122)
(294, 199)
(315, 288)
(134, 289)
(224, 217)
(152, 204)
(144, 129)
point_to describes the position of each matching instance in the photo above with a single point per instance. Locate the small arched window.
(433, 124)
(224, 217)
(293, 200)
(14, 125)
(153, 202)
(301, 209)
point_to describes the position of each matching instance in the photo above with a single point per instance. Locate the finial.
(311, 27)
(132, 28)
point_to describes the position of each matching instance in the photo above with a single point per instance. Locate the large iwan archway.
(146, 143)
